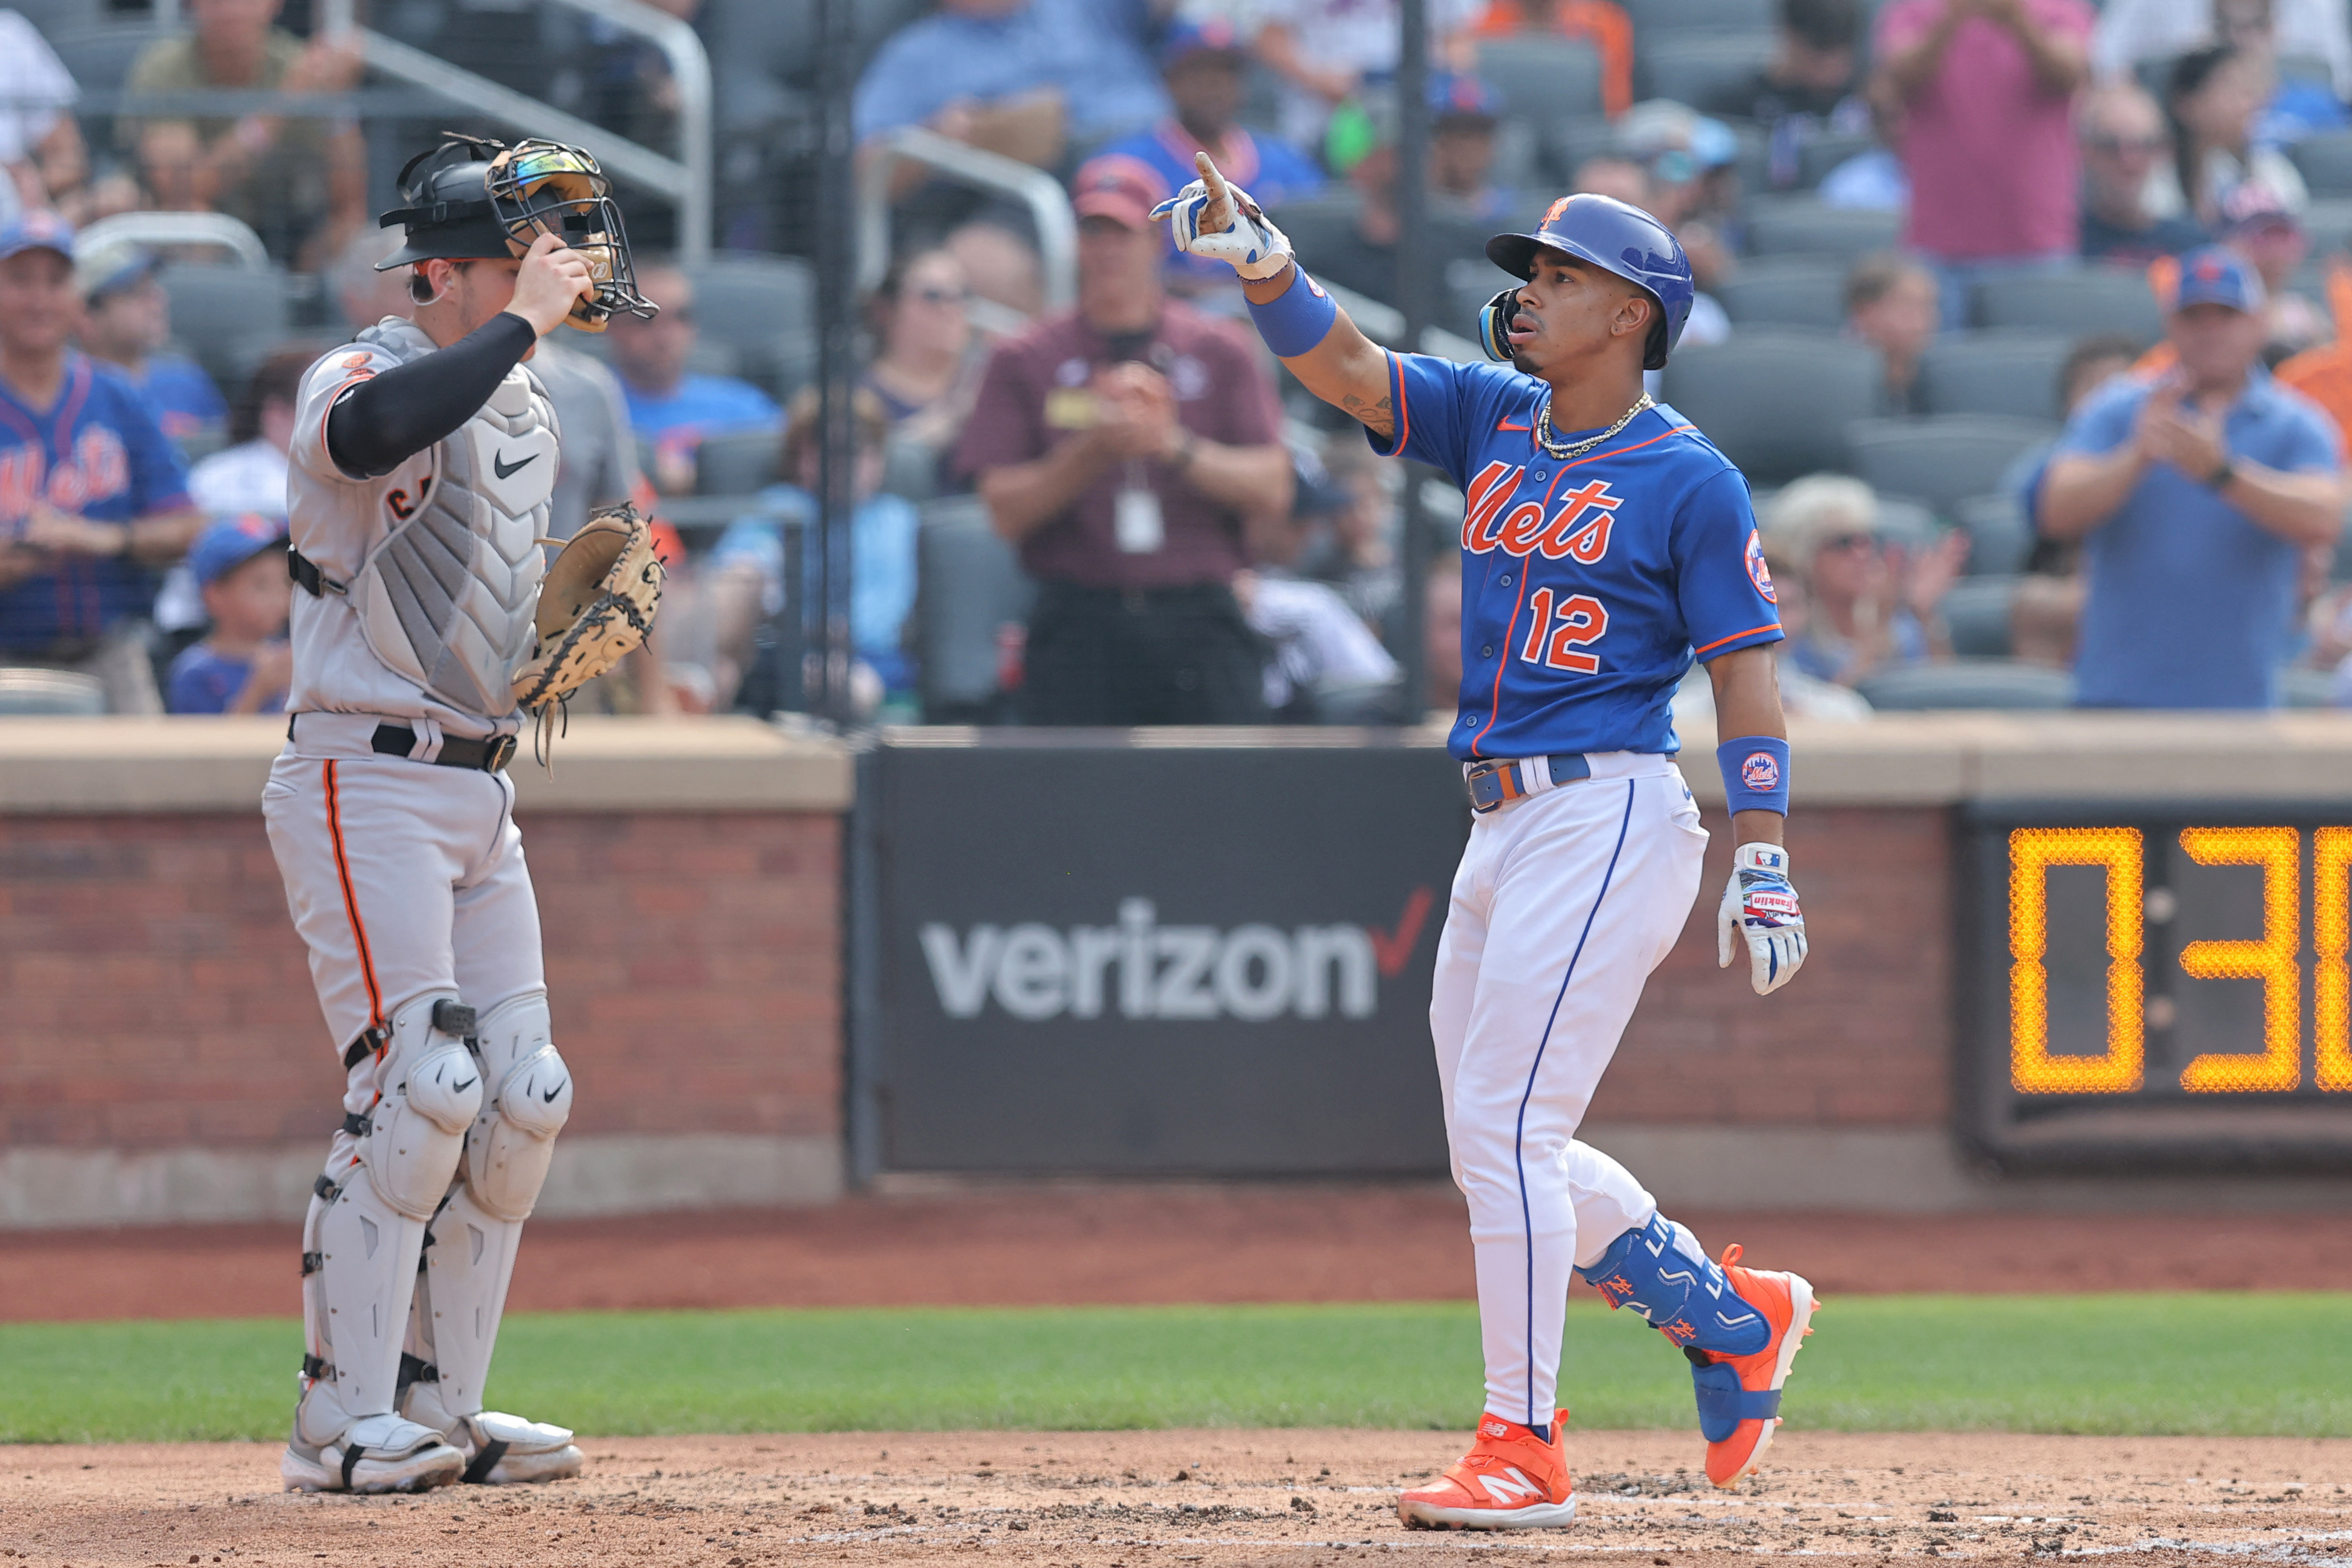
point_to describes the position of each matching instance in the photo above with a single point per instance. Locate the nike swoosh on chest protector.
(506, 469)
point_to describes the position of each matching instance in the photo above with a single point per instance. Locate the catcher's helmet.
(1613, 236)
(472, 197)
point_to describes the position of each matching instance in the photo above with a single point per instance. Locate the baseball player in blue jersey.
(1605, 545)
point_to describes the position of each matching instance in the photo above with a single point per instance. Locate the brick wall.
(1862, 1038)
(152, 992)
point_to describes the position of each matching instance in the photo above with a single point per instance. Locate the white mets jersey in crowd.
(435, 567)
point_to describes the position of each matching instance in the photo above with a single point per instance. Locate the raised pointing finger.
(1218, 190)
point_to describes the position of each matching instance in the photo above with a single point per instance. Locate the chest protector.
(447, 599)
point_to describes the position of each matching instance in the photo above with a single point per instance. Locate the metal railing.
(162, 229)
(1048, 205)
(685, 180)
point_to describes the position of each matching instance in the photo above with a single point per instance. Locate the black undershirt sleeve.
(389, 418)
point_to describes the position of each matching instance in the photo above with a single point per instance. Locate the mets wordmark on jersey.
(1587, 584)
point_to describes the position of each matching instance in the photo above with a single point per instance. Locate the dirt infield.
(1136, 1500)
(1056, 1245)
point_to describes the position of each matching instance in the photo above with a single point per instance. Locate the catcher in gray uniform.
(424, 457)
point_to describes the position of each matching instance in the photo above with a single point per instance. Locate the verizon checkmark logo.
(1141, 968)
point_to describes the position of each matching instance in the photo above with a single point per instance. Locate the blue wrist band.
(1755, 773)
(1297, 318)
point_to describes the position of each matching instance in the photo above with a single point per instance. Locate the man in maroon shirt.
(1131, 448)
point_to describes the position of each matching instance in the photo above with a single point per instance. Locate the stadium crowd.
(2021, 317)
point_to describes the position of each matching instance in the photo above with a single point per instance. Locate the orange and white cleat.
(1739, 1395)
(1510, 1480)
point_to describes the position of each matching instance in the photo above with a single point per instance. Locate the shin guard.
(1661, 1272)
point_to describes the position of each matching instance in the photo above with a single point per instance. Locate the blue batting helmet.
(1614, 237)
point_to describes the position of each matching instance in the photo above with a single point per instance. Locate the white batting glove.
(1210, 218)
(1759, 903)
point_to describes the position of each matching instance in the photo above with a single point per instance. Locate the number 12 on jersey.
(1559, 628)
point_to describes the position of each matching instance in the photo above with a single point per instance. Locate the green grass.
(2205, 1363)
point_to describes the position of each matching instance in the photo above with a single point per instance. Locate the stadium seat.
(737, 464)
(2076, 304)
(1568, 143)
(27, 692)
(1786, 291)
(1799, 225)
(1543, 77)
(2013, 373)
(1698, 65)
(1651, 17)
(1944, 459)
(1826, 151)
(1776, 402)
(1970, 684)
(2328, 222)
(229, 318)
(2325, 161)
(1998, 540)
(973, 587)
(100, 58)
(1976, 609)
(2306, 688)
(765, 306)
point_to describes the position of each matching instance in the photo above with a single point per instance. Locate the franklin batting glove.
(1212, 218)
(1759, 903)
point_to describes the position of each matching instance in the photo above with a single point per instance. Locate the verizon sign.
(1088, 956)
(1141, 969)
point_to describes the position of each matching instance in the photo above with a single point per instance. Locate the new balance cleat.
(1739, 1395)
(1510, 1480)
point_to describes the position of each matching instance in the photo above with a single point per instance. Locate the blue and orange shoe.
(1739, 1395)
(1510, 1480)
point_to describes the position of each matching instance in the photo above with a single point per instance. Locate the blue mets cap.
(229, 542)
(1463, 97)
(1214, 35)
(37, 230)
(2215, 274)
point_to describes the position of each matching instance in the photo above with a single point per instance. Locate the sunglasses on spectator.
(938, 296)
(2128, 144)
(1842, 542)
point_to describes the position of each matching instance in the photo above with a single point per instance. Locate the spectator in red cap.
(1131, 447)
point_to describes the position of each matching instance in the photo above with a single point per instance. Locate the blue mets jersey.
(1590, 585)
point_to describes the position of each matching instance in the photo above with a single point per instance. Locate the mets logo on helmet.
(1761, 772)
(1758, 572)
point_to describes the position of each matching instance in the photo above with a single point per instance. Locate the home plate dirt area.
(1286, 1499)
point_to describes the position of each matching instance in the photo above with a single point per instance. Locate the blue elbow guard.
(1297, 318)
(1755, 773)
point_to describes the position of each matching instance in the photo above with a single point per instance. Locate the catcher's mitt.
(596, 603)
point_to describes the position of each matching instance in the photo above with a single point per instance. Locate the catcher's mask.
(472, 197)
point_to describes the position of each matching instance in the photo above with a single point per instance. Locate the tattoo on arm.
(1376, 414)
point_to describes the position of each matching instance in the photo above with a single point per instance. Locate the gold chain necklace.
(1562, 450)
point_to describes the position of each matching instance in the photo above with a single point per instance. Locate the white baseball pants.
(1564, 903)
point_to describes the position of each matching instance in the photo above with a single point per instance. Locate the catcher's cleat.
(505, 1451)
(1739, 1395)
(374, 1454)
(1510, 1480)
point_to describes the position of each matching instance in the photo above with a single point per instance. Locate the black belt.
(477, 756)
(1492, 783)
